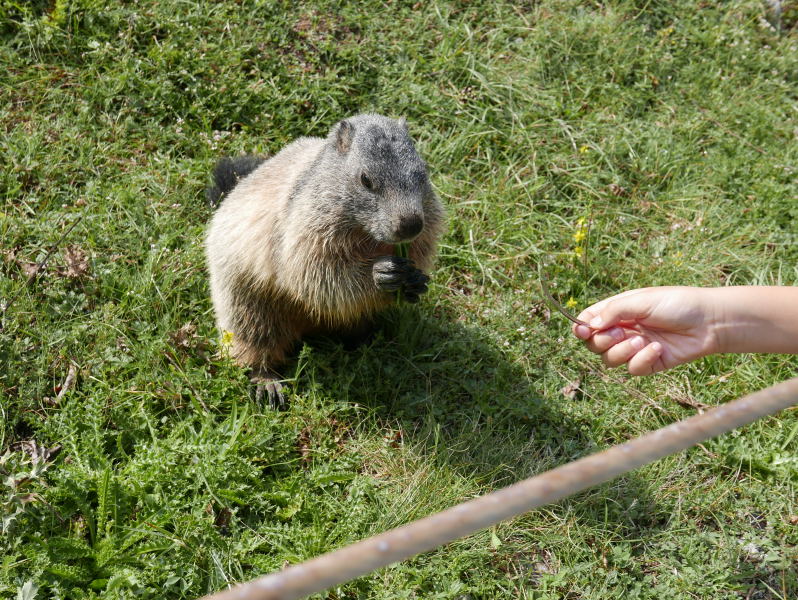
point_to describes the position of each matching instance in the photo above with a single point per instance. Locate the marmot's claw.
(415, 285)
(412, 294)
(271, 390)
(416, 278)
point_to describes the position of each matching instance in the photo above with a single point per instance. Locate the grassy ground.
(666, 131)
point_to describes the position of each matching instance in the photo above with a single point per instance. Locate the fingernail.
(582, 332)
(638, 343)
(616, 333)
(656, 347)
(596, 322)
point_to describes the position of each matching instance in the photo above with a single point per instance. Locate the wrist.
(753, 319)
(732, 323)
(718, 316)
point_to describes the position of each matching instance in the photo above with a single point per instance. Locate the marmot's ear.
(343, 136)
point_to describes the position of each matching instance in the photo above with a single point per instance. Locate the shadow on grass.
(456, 398)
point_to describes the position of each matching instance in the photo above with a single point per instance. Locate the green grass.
(670, 127)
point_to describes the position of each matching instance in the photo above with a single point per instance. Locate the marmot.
(304, 242)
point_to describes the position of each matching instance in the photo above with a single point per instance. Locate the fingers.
(390, 272)
(634, 307)
(592, 311)
(595, 316)
(601, 341)
(582, 332)
(586, 315)
(616, 344)
(647, 361)
(641, 357)
(629, 306)
(620, 353)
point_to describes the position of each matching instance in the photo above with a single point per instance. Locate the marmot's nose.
(410, 227)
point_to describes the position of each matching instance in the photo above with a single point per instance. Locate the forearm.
(755, 319)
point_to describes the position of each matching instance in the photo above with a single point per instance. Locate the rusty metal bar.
(362, 557)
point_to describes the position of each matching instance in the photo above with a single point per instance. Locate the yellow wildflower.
(579, 251)
(227, 338)
(571, 303)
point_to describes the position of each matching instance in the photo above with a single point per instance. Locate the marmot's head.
(384, 181)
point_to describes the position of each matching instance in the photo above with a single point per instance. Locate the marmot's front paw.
(390, 272)
(393, 272)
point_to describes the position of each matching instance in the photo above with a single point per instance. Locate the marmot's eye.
(364, 179)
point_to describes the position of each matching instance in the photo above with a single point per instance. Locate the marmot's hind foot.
(269, 388)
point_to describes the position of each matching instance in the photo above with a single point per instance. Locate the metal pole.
(424, 534)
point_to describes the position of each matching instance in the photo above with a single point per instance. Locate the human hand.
(651, 329)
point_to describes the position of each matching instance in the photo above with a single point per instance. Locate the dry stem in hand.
(544, 285)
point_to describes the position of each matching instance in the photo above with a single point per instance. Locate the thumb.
(634, 307)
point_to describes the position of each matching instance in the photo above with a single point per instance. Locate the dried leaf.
(36, 452)
(616, 190)
(303, 24)
(27, 498)
(29, 269)
(303, 444)
(572, 389)
(395, 439)
(688, 402)
(77, 263)
(64, 388)
(9, 255)
(184, 337)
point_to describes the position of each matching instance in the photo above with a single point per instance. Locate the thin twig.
(70, 378)
(544, 285)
